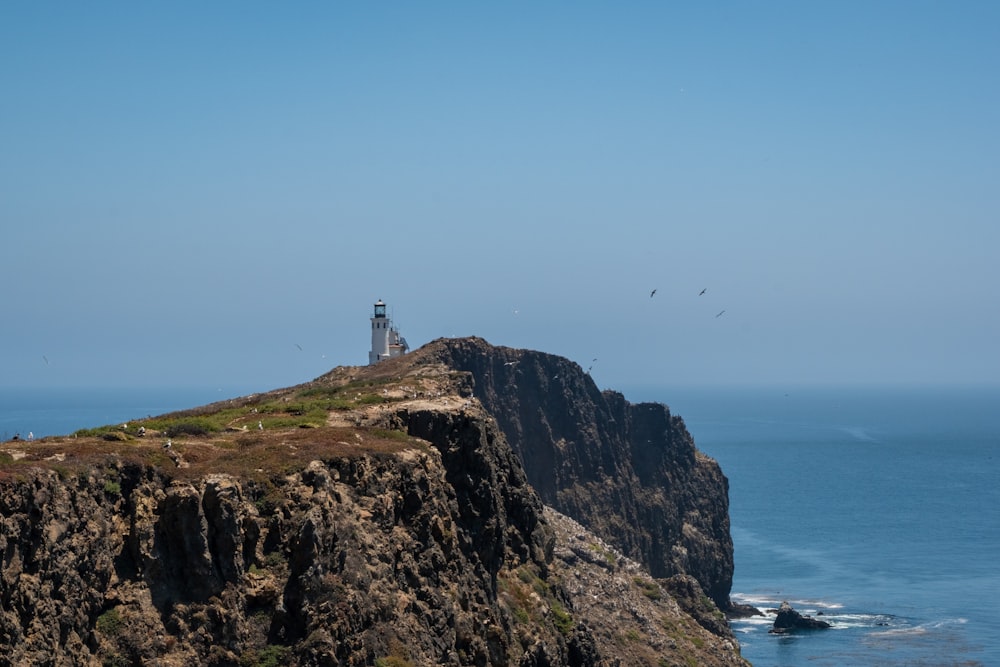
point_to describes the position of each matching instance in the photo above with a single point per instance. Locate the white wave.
(753, 621)
(823, 610)
(921, 629)
(773, 600)
(858, 433)
(899, 632)
(760, 602)
(850, 621)
(817, 604)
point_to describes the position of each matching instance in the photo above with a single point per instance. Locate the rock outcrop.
(630, 473)
(788, 619)
(381, 517)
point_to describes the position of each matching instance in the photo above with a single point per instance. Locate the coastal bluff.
(463, 504)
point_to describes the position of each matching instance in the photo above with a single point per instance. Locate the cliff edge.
(630, 473)
(376, 516)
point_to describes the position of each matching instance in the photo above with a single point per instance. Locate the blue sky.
(190, 192)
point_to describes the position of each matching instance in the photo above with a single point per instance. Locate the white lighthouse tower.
(386, 341)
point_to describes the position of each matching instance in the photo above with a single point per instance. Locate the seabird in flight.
(720, 313)
(652, 293)
(703, 291)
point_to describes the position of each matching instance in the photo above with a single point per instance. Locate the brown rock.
(405, 530)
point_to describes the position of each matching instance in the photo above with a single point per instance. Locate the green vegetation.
(267, 497)
(649, 588)
(261, 439)
(684, 638)
(110, 622)
(609, 556)
(563, 619)
(306, 408)
(275, 559)
(272, 655)
(522, 616)
(532, 600)
(398, 655)
(351, 395)
(64, 472)
(708, 603)
(100, 432)
(335, 397)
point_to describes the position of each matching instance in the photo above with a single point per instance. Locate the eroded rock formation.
(382, 517)
(631, 473)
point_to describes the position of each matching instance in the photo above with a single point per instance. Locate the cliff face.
(350, 558)
(630, 473)
(380, 518)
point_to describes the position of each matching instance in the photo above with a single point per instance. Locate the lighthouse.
(386, 341)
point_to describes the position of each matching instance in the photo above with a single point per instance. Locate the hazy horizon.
(215, 195)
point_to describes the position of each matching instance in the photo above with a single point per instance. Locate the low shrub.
(110, 622)
(272, 655)
(192, 427)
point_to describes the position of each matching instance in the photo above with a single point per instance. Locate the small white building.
(386, 341)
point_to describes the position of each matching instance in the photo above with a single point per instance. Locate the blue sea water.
(879, 508)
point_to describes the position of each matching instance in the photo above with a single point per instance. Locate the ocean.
(877, 508)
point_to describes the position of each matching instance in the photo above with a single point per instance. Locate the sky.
(215, 194)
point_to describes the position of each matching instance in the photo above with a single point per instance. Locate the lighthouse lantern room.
(386, 341)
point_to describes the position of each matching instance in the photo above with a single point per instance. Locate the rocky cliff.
(630, 473)
(375, 516)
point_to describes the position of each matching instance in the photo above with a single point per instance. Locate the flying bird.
(720, 313)
(45, 359)
(652, 293)
(298, 346)
(703, 291)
